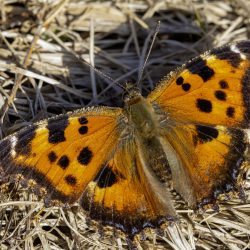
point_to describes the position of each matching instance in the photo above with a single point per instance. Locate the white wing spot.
(13, 141)
(235, 49)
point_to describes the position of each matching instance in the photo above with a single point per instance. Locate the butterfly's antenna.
(99, 72)
(148, 54)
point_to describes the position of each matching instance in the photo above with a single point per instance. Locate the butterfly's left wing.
(206, 103)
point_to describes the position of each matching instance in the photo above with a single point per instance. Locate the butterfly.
(122, 164)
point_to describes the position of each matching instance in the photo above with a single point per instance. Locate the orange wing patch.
(64, 153)
(211, 89)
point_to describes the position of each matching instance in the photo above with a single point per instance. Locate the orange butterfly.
(121, 164)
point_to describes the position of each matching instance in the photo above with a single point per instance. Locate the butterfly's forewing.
(207, 102)
(211, 89)
(62, 154)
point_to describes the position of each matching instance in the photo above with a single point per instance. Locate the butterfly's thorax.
(146, 125)
(141, 115)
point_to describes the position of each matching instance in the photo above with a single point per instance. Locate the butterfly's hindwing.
(211, 158)
(126, 195)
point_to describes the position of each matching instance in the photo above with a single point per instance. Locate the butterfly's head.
(132, 94)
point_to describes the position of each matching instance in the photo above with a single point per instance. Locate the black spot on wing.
(179, 80)
(223, 84)
(220, 95)
(85, 156)
(199, 66)
(206, 134)
(246, 97)
(230, 112)
(83, 130)
(225, 53)
(106, 177)
(56, 127)
(70, 180)
(63, 162)
(83, 120)
(204, 105)
(186, 86)
(23, 140)
(52, 156)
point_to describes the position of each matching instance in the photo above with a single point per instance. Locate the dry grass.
(41, 75)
